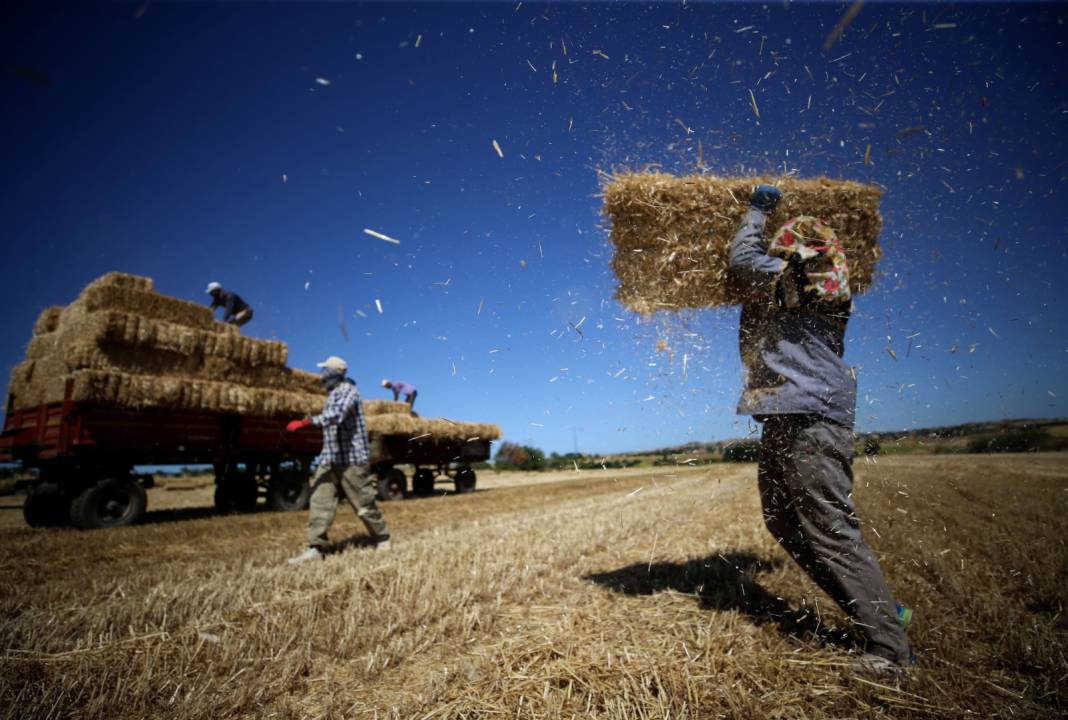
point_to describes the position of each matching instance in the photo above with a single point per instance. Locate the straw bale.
(113, 328)
(413, 426)
(154, 361)
(672, 234)
(383, 407)
(47, 320)
(124, 280)
(147, 304)
(125, 390)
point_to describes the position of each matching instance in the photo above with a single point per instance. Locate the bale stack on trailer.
(673, 234)
(125, 377)
(121, 344)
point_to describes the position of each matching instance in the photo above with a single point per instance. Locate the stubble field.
(646, 594)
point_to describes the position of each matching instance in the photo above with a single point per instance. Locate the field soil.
(607, 594)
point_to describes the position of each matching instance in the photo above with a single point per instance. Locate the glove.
(295, 425)
(765, 197)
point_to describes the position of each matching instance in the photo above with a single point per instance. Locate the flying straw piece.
(756, 110)
(322, 81)
(840, 28)
(380, 236)
(497, 147)
(378, 304)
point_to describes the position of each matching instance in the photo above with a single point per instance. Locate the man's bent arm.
(749, 260)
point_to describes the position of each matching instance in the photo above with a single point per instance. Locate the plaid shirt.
(344, 429)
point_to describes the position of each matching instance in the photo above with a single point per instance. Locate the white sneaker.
(382, 546)
(306, 556)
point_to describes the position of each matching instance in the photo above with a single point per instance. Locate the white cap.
(212, 287)
(385, 383)
(334, 363)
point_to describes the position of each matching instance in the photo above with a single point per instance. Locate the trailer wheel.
(288, 492)
(465, 480)
(112, 502)
(46, 509)
(392, 484)
(423, 482)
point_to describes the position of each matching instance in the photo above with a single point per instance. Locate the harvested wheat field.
(650, 595)
(672, 235)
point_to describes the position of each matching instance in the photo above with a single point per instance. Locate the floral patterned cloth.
(812, 243)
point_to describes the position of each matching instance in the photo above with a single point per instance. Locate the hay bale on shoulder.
(672, 235)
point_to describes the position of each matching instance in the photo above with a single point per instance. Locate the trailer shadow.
(723, 582)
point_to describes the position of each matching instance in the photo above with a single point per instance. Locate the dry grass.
(672, 235)
(651, 595)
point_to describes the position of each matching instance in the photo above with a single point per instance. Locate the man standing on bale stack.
(235, 310)
(792, 337)
(343, 464)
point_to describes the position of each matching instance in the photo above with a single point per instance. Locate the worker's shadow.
(723, 581)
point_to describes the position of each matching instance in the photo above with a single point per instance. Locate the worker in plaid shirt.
(343, 464)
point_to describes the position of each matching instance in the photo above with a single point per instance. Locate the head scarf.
(812, 244)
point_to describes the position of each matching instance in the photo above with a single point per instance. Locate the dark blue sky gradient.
(156, 142)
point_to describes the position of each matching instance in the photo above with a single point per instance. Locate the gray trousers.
(358, 485)
(806, 487)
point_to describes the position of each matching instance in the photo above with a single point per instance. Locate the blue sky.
(253, 143)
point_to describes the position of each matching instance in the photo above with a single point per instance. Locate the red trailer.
(85, 456)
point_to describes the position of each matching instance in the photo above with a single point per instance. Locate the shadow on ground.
(724, 582)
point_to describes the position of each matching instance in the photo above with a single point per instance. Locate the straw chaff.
(672, 235)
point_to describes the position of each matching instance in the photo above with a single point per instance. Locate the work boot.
(382, 546)
(307, 556)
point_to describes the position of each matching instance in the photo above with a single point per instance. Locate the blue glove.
(765, 197)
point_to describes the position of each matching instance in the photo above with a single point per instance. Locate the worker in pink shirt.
(401, 388)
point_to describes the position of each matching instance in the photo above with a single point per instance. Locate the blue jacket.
(792, 357)
(231, 303)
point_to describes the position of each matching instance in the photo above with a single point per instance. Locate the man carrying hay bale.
(792, 337)
(343, 463)
(235, 310)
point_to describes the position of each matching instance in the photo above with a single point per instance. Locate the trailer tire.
(391, 485)
(46, 509)
(465, 481)
(423, 482)
(112, 502)
(288, 492)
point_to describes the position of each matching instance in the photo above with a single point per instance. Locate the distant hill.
(994, 436)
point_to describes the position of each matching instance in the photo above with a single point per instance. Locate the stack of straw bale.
(672, 234)
(121, 344)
